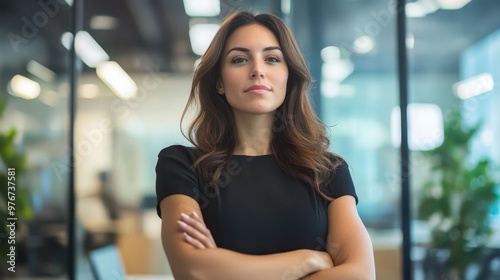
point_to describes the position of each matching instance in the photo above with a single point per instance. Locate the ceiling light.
(89, 50)
(103, 22)
(23, 87)
(332, 89)
(285, 7)
(67, 40)
(364, 44)
(337, 71)
(42, 72)
(201, 36)
(202, 8)
(430, 6)
(415, 10)
(91, 53)
(474, 86)
(330, 53)
(117, 79)
(452, 4)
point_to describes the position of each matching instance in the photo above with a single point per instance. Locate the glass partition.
(454, 130)
(351, 50)
(34, 148)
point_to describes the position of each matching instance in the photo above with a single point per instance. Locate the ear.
(220, 88)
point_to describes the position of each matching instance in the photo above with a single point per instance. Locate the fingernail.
(195, 215)
(181, 223)
(186, 217)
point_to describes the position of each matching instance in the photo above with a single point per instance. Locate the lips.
(257, 89)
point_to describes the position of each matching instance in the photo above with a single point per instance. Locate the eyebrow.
(247, 50)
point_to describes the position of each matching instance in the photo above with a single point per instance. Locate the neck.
(254, 135)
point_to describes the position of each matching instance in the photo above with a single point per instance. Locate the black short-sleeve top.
(258, 207)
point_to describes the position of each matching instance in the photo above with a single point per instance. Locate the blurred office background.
(138, 59)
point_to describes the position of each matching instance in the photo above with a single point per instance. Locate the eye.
(273, 59)
(238, 60)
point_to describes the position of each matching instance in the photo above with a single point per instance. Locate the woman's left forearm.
(342, 272)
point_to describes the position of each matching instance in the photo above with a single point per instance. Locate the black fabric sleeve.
(174, 174)
(341, 183)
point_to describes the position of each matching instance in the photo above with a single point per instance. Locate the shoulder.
(341, 182)
(338, 162)
(180, 152)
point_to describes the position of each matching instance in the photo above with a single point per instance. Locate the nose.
(257, 70)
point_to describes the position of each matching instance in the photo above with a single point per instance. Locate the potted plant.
(12, 215)
(457, 198)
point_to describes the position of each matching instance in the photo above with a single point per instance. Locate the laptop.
(106, 264)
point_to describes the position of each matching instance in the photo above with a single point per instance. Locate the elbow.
(186, 275)
(184, 272)
(366, 274)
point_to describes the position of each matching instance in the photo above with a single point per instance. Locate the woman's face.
(253, 70)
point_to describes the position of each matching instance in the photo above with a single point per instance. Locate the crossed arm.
(193, 254)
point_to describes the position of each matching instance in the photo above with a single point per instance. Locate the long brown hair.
(298, 143)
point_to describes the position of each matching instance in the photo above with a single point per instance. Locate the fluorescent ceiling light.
(452, 4)
(474, 86)
(430, 6)
(23, 87)
(415, 10)
(201, 36)
(103, 22)
(330, 54)
(332, 89)
(337, 71)
(91, 53)
(117, 79)
(425, 126)
(421, 8)
(364, 44)
(42, 72)
(285, 7)
(67, 39)
(89, 50)
(202, 8)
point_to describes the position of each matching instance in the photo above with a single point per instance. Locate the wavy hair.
(298, 141)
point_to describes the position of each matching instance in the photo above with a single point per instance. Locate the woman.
(259, 196)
